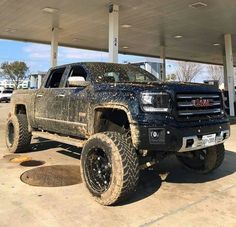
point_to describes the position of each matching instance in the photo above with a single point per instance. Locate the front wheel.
(109, 166)
(203, 161)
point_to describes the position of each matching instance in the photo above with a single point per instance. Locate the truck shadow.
(169, 170)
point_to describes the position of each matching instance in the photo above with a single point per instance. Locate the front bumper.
(192, 143)
(175, 138)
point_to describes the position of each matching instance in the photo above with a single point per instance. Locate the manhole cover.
(32, 163)
(52, 176)
(8, 157)
(20, 159)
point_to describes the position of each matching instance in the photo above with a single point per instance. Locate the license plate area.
(209, 140)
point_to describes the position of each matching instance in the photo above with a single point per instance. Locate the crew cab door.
(75, 106)
(49, 100)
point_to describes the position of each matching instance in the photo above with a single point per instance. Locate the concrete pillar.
(225, 75)
(163, 63)
(113, 32)
(54, 46)
(230, 72)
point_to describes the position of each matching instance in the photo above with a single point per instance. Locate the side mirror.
(77, 81)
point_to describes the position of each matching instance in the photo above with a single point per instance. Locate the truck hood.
(172, 87)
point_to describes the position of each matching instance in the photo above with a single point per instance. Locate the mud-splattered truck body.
(98, 102)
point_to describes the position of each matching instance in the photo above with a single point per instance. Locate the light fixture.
(49, 10)
(126, 25)
(198, 5)
(216, 44)
(125, 47)
(178, 36)
(10, 30)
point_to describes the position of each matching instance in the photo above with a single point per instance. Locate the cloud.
(82, 55)
(37, 51)
(42, 52)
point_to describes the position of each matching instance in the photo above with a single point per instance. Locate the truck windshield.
(119, 73)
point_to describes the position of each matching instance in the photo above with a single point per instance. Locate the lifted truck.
(124, 119)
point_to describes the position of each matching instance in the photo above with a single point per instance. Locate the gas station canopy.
(189, 30)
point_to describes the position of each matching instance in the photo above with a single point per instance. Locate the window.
(76, 75)
(55, 78)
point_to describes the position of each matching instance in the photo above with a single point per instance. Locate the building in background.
(36, 79)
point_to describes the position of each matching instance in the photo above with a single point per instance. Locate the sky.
(37, 56)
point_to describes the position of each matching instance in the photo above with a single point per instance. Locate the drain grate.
(31, 163)
(52, 176)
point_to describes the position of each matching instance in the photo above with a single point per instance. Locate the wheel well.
(20, 109)
(111, 120)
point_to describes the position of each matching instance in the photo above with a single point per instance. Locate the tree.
(14, 71)
(215, 72)
(187, 71)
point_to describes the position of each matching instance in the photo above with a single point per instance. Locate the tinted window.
(55, 78)
(77, 73)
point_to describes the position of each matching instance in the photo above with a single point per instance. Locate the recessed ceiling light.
(125, 47)
(198, 5)
(10, 30)
(178, 36)
(49, 10)
(216, 44)
(126, 25)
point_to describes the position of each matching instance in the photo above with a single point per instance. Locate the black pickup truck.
(125, 120)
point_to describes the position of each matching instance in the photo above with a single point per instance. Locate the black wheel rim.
(10, 133)
(98, 170)
(197, 160)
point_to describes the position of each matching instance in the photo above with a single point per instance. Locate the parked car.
(125, 120)
(5, 94)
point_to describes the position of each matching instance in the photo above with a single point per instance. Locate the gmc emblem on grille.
(201, 102)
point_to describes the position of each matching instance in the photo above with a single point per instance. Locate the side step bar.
(58, 138)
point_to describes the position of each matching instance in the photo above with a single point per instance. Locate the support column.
(54, 46)
(113, 33)
(225, 75)
(163, 63)
(230, 72)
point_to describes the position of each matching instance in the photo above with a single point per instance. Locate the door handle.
(39, 95)
(61, 95)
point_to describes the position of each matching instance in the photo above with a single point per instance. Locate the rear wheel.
(205, 160)
(17, 135)
(109, 166)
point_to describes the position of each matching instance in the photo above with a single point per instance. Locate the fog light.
(155, 134)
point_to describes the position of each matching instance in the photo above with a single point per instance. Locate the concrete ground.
(168, 196)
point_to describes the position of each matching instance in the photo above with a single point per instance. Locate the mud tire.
(17, 136)
(124, 167)
(214, 157)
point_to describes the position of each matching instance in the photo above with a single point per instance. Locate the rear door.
(49, 101)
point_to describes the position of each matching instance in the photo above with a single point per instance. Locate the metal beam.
(54, 46)
(113, 32)
(230, 72)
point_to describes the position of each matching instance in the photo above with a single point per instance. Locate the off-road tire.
(213, 159)
(19, 139)
(124, 165)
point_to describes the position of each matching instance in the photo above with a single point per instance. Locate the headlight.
(155, 102)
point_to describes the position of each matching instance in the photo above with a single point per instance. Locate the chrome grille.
(198, 105)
